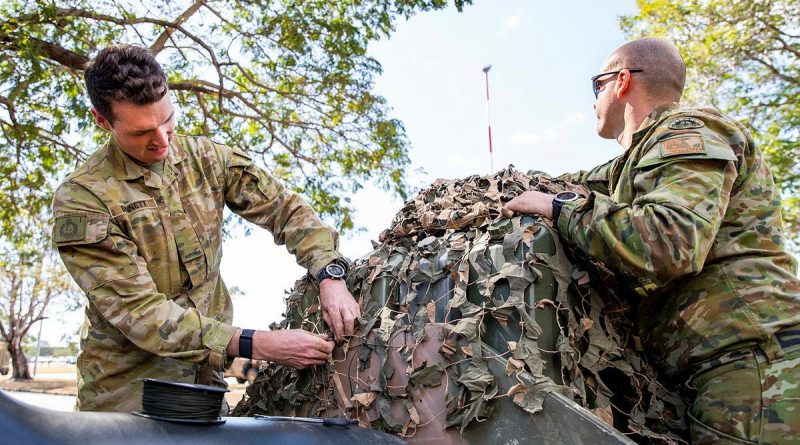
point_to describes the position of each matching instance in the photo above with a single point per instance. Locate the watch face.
(567, 196)
(335, 270)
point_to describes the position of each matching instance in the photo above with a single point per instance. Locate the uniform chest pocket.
(204, 211)
(190, 249)
(142, 222)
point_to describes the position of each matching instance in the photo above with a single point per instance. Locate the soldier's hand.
(532, 202)
(294, 347)
(339, 309)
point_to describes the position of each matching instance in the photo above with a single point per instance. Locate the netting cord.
(181, 402)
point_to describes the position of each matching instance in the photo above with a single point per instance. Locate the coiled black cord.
(181, 401)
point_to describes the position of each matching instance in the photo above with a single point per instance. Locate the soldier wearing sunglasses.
(691, 211)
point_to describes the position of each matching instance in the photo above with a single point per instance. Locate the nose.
(161, 137)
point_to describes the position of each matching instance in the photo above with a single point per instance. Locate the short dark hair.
(124, 73)
(664, 72)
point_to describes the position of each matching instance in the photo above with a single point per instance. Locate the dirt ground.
(50, 379)
(60, 387)
(43, 382)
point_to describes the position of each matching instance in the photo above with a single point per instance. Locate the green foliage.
(742, 57)
(290, 81)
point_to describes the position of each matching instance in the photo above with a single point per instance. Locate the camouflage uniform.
(691, 210)
(146, 250)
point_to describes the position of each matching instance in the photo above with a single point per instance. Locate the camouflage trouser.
(748, 401)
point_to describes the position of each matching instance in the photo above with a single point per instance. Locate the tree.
(742, 57)
(288, 80)
(31, 281)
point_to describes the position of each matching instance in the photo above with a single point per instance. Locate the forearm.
(160, 326)
(595, 179)
(259, 198)
(656, 241)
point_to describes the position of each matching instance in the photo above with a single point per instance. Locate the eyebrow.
(151, 129)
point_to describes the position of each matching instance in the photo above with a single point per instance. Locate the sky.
(542, 56)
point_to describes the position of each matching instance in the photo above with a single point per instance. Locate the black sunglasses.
(596, 81)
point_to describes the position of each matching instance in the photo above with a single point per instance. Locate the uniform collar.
(650, 120)
(126, 168)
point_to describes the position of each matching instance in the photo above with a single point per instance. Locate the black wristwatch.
(334, 270)
(246, 343)
(559, 201)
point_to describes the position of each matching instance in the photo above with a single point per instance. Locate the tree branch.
(775, 71)
(158, 45)
(67, 58)
(201, 86)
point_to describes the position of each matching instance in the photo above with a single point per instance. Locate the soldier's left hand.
(533, 202)
(339, 309)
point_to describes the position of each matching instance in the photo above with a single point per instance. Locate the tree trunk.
(19, 363)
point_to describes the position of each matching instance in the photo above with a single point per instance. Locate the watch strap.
(246, 343)
(556, 210)
(559, 201)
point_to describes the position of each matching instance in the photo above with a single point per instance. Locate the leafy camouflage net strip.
(450, 259)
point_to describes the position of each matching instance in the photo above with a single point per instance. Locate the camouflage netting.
(451, 260)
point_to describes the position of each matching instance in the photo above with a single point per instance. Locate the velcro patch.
(682, 145)
(69, 228)
(685, 123)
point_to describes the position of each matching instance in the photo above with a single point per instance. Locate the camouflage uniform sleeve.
(259, 198)
(669, 228)
(105, 264)
(595, 179)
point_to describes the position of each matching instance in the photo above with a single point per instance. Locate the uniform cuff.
(216, 340)
(565, 216)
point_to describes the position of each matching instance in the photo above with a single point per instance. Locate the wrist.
(547, 211)
(233, 346)
(330, 283)
(262, 349)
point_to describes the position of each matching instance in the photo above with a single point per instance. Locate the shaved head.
(664, 72)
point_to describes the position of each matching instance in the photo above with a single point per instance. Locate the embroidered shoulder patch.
(682, 145)
(69, 228)
(685, 123)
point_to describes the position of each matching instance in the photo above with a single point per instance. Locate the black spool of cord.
(181, 402)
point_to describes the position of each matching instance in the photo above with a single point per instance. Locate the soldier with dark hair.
(139, 227)
(690, 209)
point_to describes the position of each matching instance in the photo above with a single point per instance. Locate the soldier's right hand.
(294, 347)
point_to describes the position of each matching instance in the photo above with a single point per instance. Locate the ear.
(100, 120)
(623, 84)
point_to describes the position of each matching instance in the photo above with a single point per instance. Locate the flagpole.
(489, 119)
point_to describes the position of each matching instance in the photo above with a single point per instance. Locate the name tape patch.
(147, 203)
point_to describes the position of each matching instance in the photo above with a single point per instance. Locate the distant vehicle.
(71, 360)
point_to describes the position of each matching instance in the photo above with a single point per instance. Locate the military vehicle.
(479, 327)
(24, 424)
